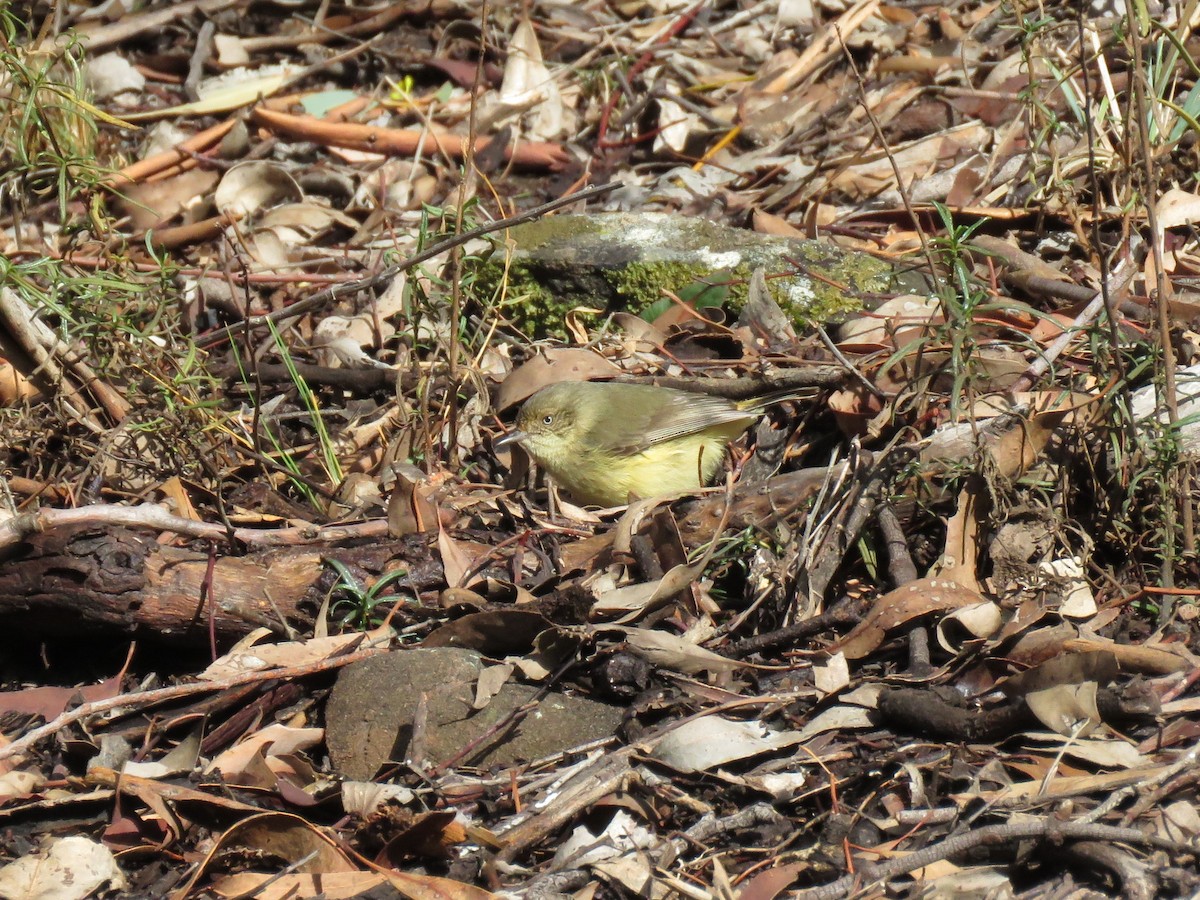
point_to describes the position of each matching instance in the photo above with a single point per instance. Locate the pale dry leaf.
(489, 683)
(245, 658)
(675, 125)
(281, 886)
(230, 90)
(976, 881)
(181, 759)
(111, 75)
(68, 869)
(894, 323)
(274, 740)
(362, 798)
(528, 85)
(304, 220)
(584, 847)
(636, 599)
(254, 186)
(19, 784)
(1176, 207)
(838, 718)
(1180, 821)
(780, 785)
(1069, 709)
(1067, 578)
(710, 741)
(632, 871)
(1114, 754)
(230, 51)
(669, 651)
(456, 562)
(833, 676)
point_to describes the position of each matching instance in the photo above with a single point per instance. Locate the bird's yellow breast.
(671, 467)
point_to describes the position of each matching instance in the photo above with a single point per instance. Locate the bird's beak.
(505, 442)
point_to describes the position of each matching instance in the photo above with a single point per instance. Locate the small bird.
(606, 442)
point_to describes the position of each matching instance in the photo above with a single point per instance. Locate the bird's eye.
(547, 420)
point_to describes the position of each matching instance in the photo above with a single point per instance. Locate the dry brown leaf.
(566, 364)
(274, 740)
(960, 553)
(895, 608)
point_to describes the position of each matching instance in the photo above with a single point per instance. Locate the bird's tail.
(759, 405)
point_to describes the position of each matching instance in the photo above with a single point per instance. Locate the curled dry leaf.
(894, 323)
(252, 186)
(895, 608)
(1066, 576)
(274, 740)
(980, 620)
(1176, 207)
(635, 600)
(584, 847)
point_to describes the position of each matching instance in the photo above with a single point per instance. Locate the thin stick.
(180, 691)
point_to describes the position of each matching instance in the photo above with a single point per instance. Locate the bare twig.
(179, 692)
(990, 834)
(150, 515)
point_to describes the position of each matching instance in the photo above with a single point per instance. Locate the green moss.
(642, 283)
(565, 262)
(554, 230)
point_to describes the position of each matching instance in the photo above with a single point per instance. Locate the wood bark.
(76, 582)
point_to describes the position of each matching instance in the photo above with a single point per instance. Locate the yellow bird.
(607, 442)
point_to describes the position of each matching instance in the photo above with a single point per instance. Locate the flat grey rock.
(624, 261)
(369, 715)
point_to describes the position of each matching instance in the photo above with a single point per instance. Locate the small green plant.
(730, 566)
(357, 604)
(333, 467)
(48, 127)
(962, 299)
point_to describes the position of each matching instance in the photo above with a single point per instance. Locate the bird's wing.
(681, 415)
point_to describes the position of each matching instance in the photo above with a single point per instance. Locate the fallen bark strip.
(405, 142)
(81, 580)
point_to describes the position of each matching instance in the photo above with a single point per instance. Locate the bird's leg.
(552, 501)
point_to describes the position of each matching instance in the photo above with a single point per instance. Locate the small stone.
(370, 712)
